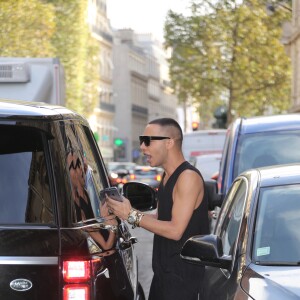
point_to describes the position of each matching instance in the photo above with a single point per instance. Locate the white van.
(203, 142)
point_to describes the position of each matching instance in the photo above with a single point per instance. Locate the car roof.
(277, 175)
(268, 123)
(18, 108)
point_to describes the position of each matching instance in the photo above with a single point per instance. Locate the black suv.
(58, 240)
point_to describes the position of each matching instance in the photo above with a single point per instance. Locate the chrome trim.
(30, 227)
(105, 272)
(27, 260)
(20, 285)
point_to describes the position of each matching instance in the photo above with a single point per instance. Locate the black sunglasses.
(146, 139)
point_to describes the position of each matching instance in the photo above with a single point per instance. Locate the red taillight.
(132, 177)
(76, 271)
(76, 292)
(158, 177)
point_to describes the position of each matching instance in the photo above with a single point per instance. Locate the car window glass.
(145, 172)
(265, 149)
(232, 216)
(84, 173)
(24, 179)
(277, 235)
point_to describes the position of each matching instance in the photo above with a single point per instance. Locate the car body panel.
(243, 127)
(253, 272)
(49, 216)
(271, 282)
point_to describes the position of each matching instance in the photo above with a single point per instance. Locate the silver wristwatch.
(132, 217)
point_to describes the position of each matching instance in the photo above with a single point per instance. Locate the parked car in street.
(254, 250)
(58, 240)
(119, 171)
(256, 142)
(146, 174)
(203, 142)
(207, 164)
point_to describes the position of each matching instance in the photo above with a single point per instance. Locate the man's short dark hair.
(165, 122)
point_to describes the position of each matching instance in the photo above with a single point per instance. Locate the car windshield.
(265, 149)
(277, 234)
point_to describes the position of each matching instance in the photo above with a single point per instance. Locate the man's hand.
(120, 209)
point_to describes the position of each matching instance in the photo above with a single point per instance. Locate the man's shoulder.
(191, 173)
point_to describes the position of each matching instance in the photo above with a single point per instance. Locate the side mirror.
(141, 196)
(214, 199)
(206, 250)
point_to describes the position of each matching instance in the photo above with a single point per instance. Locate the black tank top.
(166, 252)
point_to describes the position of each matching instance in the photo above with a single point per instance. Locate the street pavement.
(144, 253)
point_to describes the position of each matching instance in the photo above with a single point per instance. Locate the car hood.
(272, 282)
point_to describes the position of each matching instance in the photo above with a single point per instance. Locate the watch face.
(131, 219)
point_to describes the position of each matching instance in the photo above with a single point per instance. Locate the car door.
(99, 234)
(29, 235)
(221, 283)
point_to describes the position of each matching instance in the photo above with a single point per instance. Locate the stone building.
(102, 120)
(134, 86)
(141, 89)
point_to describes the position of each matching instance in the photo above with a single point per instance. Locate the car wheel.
(140, 295)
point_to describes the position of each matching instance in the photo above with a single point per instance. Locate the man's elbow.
(176, 235)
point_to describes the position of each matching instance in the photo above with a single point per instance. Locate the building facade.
(102, 120)
(134, 86)
(142, 91)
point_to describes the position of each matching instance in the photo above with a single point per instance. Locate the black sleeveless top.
(166, 252)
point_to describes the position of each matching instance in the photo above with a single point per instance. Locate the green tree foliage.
(230, 51)
(77, 50)
(55, 28)
(26, 28)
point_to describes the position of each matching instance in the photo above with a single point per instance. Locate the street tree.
(230, 51)
(26, 28)
(55, 28)
(79, 53)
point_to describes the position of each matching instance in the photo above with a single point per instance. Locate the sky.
(143, 16)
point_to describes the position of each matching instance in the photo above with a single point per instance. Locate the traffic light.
(118, 142)
(195, 125)
(221, 117)
(119, 149)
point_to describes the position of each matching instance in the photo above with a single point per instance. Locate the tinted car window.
(84, 173)
(265, 149)
(24, 181)
(277, 235)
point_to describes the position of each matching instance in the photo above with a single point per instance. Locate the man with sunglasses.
(182, 212)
